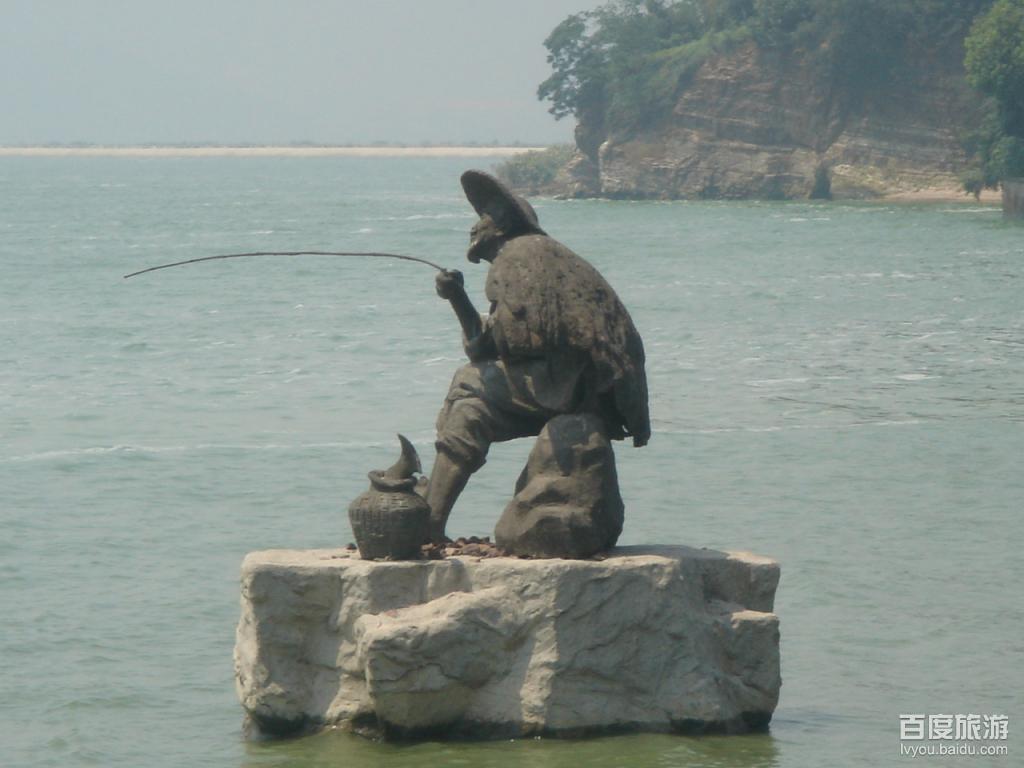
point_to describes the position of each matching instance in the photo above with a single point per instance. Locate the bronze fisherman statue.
(557, 356)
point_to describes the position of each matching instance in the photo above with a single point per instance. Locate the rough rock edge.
(754, 577)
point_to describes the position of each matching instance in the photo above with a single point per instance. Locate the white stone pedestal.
(650, 638)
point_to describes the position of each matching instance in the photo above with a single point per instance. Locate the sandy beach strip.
(299, 151)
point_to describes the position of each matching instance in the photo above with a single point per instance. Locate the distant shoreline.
(925, 195)
(269, 151)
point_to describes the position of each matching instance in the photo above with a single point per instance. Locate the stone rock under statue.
(648, 639)
(557, 356)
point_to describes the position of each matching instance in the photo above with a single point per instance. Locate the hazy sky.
(265, 71)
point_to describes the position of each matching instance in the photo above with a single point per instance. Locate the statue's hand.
(449, 284)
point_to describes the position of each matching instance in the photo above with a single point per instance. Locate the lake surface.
(840, 387)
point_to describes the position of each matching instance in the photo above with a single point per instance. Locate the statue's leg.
(478, 411)
(465, 431)
(447, 479)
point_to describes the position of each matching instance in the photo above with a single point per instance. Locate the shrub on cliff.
(534, 172)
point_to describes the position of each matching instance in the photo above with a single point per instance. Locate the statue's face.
(485, 240)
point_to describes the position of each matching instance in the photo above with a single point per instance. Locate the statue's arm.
(481, 346)
(476, 340)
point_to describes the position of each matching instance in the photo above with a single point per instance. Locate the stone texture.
(1013, 198)
(424, 663)
(581, 177)
(753, 123)
(567, 501)
(651, 638)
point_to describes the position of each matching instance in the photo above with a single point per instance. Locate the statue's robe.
(548, 303)
(557, 340)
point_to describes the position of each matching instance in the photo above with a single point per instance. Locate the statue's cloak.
(548, 303)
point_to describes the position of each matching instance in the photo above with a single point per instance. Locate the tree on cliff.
(995, 66)
(613, 57)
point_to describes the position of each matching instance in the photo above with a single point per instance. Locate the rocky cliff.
(756, 123)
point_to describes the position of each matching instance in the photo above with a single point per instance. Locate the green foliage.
(601, 58)
(867, 40)
(995, 61)
(777, 21)
(577, 60)
(995, 66)
(856, 43)
(643, 72)
(997, 155)
(628, 59)
(862, 28)
(654, 82)
(722, 14)
(532, 172)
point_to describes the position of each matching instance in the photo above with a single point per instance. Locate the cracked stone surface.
(649, 638)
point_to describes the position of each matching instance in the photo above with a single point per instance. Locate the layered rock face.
(651, 638)
(754, 124)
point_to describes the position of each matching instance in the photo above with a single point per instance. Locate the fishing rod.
(372, 254)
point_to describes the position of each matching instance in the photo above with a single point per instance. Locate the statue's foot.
(437, 534)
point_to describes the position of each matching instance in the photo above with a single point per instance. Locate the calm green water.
(840, 387)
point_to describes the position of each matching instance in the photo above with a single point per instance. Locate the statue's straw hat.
(488, 196)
